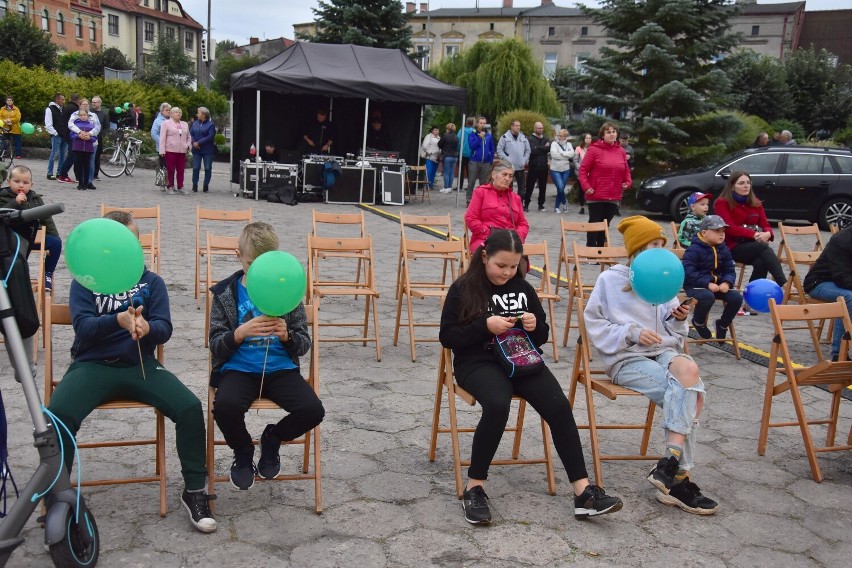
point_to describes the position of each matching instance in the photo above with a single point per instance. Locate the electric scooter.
(70, 531)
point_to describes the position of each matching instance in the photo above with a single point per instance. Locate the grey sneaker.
(170, 190)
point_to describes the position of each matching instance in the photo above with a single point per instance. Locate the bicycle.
(7, 156)
(121, 157)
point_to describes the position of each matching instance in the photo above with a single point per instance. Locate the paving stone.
(334, 552)
(522, 543)
(788, 535)
(750, 556)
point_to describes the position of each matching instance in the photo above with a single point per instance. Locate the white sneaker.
(557, 211)
(446, 190)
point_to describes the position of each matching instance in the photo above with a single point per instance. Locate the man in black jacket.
(539, 150)
(72, 106)
(831, 276)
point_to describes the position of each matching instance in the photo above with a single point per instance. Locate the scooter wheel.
(72, 551)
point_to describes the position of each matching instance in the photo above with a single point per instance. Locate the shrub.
(795, 128)
(751, 127)
(219, 139)
(843, 136)
(528, 119)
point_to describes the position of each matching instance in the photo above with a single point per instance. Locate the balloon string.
(141, 362)
(263, 374)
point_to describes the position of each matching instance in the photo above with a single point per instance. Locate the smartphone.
(683, 304)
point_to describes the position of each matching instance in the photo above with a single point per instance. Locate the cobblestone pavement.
(384, 503)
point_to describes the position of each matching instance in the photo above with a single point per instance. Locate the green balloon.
(276, 283)
(104, 256)
(118, 110)
(27, 128)
(126, 105)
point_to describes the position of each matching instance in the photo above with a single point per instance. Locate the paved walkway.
(385, 504)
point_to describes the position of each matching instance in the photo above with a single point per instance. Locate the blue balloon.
(656, 275)
(758, 292)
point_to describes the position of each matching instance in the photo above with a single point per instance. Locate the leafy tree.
(92, 64)
(759, 85)
(224, 46)
(657, 68)
(168, 65)
(374, 23)
(228, 64)
(24, 43)
(499, 77)
(821, 91)
(70, 60)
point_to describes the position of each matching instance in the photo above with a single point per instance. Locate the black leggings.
(599, 211)
(494, 390)
(762, 260)
(81, 167)
(287, 389)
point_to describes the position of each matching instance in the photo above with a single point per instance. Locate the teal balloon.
(104, 256)
(118, 110)
(126, 105)
(27, 128)
(276, 283)
(758, 292)
(656, 275)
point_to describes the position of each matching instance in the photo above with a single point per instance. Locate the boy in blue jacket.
(709, 274)
(106, 367)
(481, 145)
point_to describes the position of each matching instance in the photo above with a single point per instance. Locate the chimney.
(507, 3)
(424, 7)
(410, 7)
(549, 2)
(253, 40)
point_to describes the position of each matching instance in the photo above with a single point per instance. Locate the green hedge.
(528, 118)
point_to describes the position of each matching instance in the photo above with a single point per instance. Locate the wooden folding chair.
(675, 242)
(307, 472)
(834, 377)
(154, 250)
(595, 380)
(60, 314)
(446, 382)
(731, 338)
(424, 257)
(416, 176)
(212, 215)
(570, 232)
(434, 224)
(537, 254)
(352, 225)
(577, 288)
(37, 283)
(215, 246)
(318, 247)
(794, 291)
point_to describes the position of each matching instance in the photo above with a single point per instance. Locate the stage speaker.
(347, 188)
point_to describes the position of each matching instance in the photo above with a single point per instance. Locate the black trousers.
(493, 390)
(287, 389)
(732, 298)
(599, 211)
(536, 175)
(520, 180)
(762, 259)
(81, 167)
(463, 170)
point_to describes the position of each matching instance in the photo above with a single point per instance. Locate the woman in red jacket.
(495, 206)
(748, 232)
(603, 176)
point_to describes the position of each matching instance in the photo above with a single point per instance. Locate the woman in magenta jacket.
(174, 144)
(604, 175)
(495, 206)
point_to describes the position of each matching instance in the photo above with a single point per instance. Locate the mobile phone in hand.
(683, 304)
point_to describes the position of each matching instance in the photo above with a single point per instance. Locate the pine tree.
(373, 23)
(658, 67)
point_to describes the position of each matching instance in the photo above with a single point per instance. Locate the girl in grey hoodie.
(641, 348)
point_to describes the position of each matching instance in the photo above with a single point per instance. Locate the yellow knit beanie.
(638, 231)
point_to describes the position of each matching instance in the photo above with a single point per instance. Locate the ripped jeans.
(651, 377)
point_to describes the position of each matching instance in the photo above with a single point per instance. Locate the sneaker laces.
(199, 504)
(478, 498)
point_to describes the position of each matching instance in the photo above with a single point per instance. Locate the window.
(761, 164)
(808, 164)
(550, 59)
(423, 54)
(845, 164)
(78, 28)
(149, 32)
(450, 50)
(60, 24)
(491, 26)
(170, 33)
(45, 20)
(584, 31)
(580, 61)
(189, 40)
(92, 31)
(3, 6)
(22, 10)
(423, 27)
(146, 3)
(113, 24)
(551, 31)
(755, 30)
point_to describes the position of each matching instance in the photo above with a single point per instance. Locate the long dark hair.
(474, 286)
(728, 191)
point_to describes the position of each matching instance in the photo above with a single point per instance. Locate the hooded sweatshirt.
(615, 318)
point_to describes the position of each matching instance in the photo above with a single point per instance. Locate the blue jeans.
(92, 171)
(560, 179)
(196, 168)
(449, 171)
(16, 142)
(829, 291)
(431, 171)
(651, 377)
(732, 298)
(57, 152)
(53, 245)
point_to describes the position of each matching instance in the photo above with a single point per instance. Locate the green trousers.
(88, 385)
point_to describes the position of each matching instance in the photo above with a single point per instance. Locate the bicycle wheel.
(131, 162)
(6, 156)
(113, 162)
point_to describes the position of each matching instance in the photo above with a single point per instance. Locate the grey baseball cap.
(712, 222)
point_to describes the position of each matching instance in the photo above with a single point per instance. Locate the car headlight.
(656, 184)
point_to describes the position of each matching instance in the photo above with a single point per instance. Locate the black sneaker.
(91, 186)
(206, 189)
(197, 504)
(48, 281)
(526, 208)
(721, 330)
(475, 503)
(269, 464)
(243, 469)
(51, 177)
(582, 211)
(702, 329)
(195, 189)
(663, 476)
(542, 209)
(593, 501)
(688, 497)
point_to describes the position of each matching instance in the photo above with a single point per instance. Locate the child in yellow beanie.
(641, 346)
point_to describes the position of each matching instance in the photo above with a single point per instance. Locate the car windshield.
(722, 161)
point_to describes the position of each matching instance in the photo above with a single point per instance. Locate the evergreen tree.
(169, 65)
(759, 85)
(658, 67)
(25, 44)
(373, 23)
(821, 90)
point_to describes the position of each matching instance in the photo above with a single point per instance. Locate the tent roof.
(347, 71)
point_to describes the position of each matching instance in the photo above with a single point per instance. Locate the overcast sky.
(238, 20)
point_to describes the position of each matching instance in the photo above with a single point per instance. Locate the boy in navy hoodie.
(709, 274)
(106, 367)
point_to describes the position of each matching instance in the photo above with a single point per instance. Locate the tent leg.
(461, 151)
(257, 150)
(363, 155)
(231, 142)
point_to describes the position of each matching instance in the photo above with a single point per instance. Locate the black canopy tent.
(275, 100)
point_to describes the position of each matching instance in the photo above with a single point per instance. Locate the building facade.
(74, 25)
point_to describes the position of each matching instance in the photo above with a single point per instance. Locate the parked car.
(813, 184)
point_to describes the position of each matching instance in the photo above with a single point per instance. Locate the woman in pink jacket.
(495, 206)
(604, 175)
(174, 144)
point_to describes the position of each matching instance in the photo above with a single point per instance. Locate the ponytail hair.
(474, 286)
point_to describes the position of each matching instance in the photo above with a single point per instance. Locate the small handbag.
(517, 354)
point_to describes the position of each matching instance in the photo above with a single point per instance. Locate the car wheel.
(834, 210)
(679, 206)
